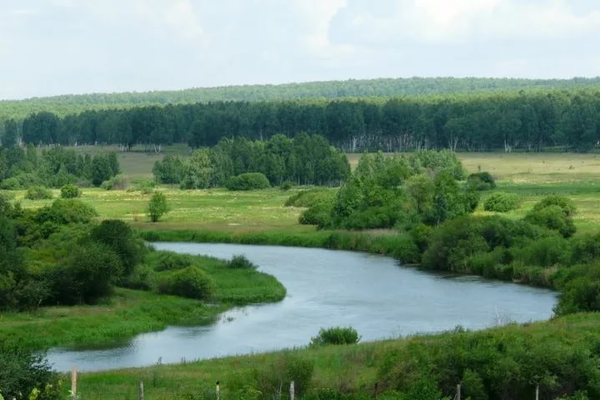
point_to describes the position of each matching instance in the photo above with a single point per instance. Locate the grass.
(343, 368)
(130, 312)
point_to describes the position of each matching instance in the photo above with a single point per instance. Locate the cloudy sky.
(50, 47)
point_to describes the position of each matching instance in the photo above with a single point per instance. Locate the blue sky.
(50, 47)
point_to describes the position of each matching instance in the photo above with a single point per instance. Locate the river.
(373, 294)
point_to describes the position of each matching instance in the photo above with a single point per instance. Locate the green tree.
(157, 206)
(119, 237)
(199, 171)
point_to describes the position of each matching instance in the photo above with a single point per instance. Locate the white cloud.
(66, 46)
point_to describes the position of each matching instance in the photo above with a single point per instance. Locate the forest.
(73, 104)
(538, 120)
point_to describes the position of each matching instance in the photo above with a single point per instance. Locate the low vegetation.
(508, 362)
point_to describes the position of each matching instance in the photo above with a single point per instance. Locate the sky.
(51, 47)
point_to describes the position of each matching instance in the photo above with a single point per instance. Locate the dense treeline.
(72, 104)
(22, 168)
(510, 121)
(306, 159)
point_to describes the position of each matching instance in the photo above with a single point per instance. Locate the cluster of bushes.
(57, 255)
(400, 191)
(55, 167)
(306, 159)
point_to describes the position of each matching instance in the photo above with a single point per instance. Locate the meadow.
(530, 175)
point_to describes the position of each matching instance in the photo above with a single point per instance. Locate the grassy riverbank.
(130, 312)
(360, 371)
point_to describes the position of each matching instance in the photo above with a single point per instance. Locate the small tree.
(157, 206)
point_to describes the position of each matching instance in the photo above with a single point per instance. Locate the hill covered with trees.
(71, 104)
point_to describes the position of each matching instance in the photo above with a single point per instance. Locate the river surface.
(325, 288)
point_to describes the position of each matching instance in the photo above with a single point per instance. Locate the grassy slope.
(339, 367)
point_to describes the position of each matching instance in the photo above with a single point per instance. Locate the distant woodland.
(385, 114)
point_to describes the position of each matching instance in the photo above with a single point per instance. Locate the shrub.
(501, 202)
(10, 184)
(553, 217)
(86, 276)
(287, 185)
(335, 335)
(241, 262)
(248, 181)
(157, 207)
(120, 238)
(168, 261)
(118, 182)
(66, 211)
(24, 372)
(38, 193)
(586, 248)
(566, 205)
(189, 282)
(273, 377)
(481, 181)
(70, 191)
(318, 214)
(146, 186)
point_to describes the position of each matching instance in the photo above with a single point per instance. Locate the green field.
(531, 175)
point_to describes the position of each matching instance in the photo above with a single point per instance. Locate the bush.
(146, 186)
(189, 282)
(248, 181)
(38, 193)
(287, 185)
(86, 276)
(120, 238)
(66, 211)
(319, 214)
(481, 181)
(271, 379)
(168, 261)
(10, 184)
(157, 207)
(241, 262)
(70, 191)
(115, 183)
(24, 372)
(566, 205)
(553, 217)
(336, 335)
(308, 198)
(501, 202)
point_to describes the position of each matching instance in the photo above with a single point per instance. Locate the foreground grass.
(130, 312)
(346, 369)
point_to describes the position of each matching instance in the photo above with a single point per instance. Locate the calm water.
(325, 288)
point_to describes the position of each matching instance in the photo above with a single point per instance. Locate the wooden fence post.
(141, 392)
(74, 383)
(292, 390)
(218, 390)
(458, 392)
(537, 392)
